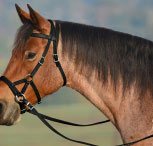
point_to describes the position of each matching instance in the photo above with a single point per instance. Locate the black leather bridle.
(28, 80)
(26, 106)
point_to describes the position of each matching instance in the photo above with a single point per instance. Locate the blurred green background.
(131, 16)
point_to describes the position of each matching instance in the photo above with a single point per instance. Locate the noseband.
(25, 105)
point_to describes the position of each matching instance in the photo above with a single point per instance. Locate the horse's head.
(25, 56)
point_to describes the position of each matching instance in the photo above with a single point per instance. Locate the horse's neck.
(89, 87)
(91, 90)
(124, 112)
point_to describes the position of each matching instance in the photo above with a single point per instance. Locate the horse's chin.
(11, 121)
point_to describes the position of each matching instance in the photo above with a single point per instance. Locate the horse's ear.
(38, 21)
(24, 16)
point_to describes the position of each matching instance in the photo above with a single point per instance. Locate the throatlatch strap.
(55, 54)
(54, 36)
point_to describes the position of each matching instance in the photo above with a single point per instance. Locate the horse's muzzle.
(9, 113)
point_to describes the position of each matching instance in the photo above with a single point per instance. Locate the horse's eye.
(30, 55)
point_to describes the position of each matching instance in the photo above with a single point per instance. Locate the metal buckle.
(41, 61)
(28, 105)
(20, 98)
(56, 61)
(55, 56)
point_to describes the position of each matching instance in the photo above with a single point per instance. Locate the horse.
(111, 69)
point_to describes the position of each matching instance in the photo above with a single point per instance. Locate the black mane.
(109, 52)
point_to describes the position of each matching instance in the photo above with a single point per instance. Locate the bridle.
(28, 80)
(26, 106)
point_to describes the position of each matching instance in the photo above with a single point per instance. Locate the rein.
(26, 106)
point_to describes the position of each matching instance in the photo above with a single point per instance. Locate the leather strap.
(55, 54)
(35, 112)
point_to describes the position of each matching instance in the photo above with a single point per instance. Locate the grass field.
(30, 131)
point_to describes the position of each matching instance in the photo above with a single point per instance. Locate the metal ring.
(20, 98)
(42, 60)
(29, 78)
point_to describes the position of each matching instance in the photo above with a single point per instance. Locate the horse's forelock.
(22, 36)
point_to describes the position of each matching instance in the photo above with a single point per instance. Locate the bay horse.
(113, 70)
